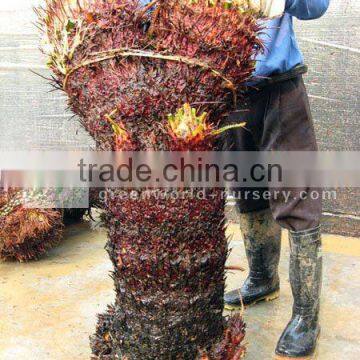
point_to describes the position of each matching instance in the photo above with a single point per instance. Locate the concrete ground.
(48, 308)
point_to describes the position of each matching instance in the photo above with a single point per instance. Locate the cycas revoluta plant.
(115, 71)
(125, 68)
(26, 233)
(27, 229)
(169, 250)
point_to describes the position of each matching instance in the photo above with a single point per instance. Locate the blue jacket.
(282, 51)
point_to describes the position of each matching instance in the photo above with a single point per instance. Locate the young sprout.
(187, 125)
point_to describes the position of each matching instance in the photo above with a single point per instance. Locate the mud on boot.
(262, 239)
(300, 336)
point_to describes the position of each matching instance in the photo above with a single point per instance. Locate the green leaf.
(70, 25)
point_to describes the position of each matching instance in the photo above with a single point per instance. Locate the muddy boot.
(300, 336)
(262, 239)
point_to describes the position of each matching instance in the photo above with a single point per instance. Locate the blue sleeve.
(306, 9)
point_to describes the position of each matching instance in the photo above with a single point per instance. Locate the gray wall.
(33, 117)
(30, 115)
(331, 46)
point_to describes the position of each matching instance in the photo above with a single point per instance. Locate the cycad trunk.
(26, 233)
(31, 222)
(169, 257)
(123, 78)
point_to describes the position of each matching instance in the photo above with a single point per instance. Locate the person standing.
(278, 116)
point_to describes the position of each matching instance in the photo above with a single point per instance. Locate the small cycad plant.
(26, 232)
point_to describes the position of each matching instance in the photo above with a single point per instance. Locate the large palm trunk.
(125, 69)
(169, 257)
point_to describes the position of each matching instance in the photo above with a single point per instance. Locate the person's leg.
(284, 123)
(300, 335)
(261, 233)
(301, 216)
(262, 245)
(289, 127)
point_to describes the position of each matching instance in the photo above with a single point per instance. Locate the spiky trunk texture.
(123, 78)
(26, 233)
(169, 258)
(107, 87)
(169, 249)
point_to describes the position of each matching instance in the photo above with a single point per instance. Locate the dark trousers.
(278, 118)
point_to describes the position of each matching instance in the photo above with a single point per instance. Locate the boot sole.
(313, 356)
(266, 298)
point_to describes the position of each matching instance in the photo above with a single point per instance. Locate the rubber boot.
(262, 239)
(300, 336)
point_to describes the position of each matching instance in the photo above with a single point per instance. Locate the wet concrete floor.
(48, 308)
